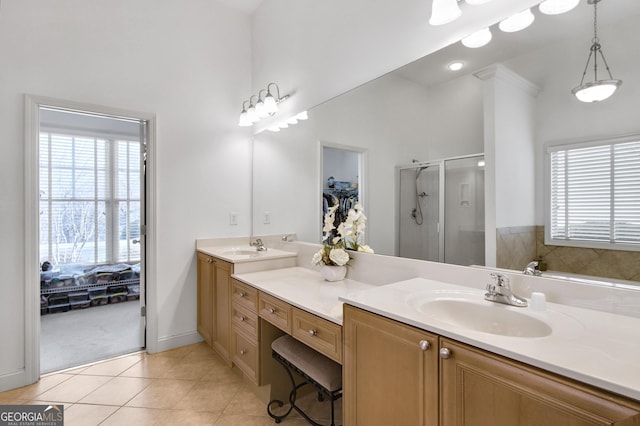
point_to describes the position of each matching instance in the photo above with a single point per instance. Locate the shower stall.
(441, 210)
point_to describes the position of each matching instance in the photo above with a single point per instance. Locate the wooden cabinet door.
(389, 379)
(222, 309)
(205, 297)
(482, 389)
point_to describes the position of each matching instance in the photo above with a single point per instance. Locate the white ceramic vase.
(333, 273)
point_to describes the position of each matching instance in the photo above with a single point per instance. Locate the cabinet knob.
(445, 353)
(424, 345)
(313, 332)
(242, 318)
(241, 294)
(243, 351)
(209, 260)
(272, 311)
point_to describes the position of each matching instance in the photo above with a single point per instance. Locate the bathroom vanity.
(422, 351)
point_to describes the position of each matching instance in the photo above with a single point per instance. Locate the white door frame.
(32, 224)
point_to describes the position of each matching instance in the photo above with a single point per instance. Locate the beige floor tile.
(209, 396)
(222, 374)
(202, 350)
(180, 352)
(113, 367)
(187, 417)
(117, 391)
(247, 420)
(32, 391)
(162, 393)
(247, 403)
(192, 370)
(87, 414)
(128, 416)
(74, 389)
(151, 367)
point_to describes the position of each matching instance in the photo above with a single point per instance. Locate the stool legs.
(292, 398)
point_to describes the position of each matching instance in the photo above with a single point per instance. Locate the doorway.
(91, 233)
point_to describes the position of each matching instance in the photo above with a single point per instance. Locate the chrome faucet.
(500, 292)
(532, 269)
(259, 245)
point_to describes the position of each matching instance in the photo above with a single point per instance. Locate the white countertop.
(598, 348)
(243, 253)
(305, 289)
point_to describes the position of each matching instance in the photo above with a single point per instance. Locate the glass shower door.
(464, 211)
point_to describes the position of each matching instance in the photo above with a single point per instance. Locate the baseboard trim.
(13, 380)
(177, 340)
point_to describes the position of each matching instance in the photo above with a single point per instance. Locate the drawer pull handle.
(424, 345)
(243, 351)
(209, 260)
(242, 318)
(313, 332)
(272, 310)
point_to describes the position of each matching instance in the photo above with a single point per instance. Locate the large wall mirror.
(424, 112)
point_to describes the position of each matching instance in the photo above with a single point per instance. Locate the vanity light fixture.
(477, 39)
(517, 22)
(263, 107)
(556, 7)
(596, 90)
(444, 11)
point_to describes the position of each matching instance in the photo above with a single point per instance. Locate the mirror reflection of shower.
(441, 210)
(416, 212)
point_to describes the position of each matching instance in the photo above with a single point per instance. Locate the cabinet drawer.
(245, 320)
(319, 333)
(245, 354)
(244, 295)
(275, 311)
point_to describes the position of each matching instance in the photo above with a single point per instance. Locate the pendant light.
(596, 90)
(444, 11)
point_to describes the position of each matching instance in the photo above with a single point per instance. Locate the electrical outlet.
(267, 218)
(233, 218)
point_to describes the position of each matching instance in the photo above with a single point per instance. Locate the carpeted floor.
(69, 339)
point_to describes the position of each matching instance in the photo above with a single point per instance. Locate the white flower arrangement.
(347, 236)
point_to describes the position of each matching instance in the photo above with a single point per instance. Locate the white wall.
(320, 49)
(188, 63)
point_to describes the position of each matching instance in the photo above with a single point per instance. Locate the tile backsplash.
(516, 246)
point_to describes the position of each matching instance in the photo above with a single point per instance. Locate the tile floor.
(189, 385)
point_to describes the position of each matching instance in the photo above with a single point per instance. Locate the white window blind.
(89, 199)
(594, 194)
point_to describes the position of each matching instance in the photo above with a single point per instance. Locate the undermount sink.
(487, 318)
(241, 253)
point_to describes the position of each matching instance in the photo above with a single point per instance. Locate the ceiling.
(431, 69)
(246, 6)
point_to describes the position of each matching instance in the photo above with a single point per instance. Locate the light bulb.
(444, 11)
(556, 7)
(455, 66)
(477, 39)
(251, 114)
(517, 22)
(244, 120)
(270, 104)
(260, 111)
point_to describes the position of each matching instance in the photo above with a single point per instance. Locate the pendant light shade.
(444, 11)
(556, 7)
(477, 39)
(517, 22)
(595, 90)
(244, 119)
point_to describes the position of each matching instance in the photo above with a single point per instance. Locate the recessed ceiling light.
(455, 66)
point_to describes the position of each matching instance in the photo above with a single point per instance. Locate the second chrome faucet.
(500, 292)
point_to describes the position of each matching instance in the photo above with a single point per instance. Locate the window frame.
(112, 201)
(576, 144)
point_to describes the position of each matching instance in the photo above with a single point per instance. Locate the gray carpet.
(70, 339)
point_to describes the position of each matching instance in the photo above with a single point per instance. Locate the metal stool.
(316, 369)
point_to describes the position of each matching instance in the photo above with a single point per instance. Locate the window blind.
(595, 193)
